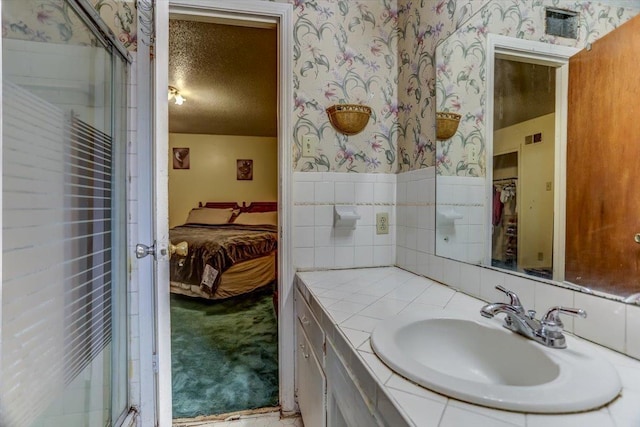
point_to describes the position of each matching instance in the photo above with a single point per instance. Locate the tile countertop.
(350, 303)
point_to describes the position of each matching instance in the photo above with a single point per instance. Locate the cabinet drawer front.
(310, 325)
(346, 403)
(310, 383)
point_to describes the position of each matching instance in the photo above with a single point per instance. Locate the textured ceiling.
(228, 75)
(522, 92)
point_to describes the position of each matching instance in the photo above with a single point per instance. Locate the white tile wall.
(318, 244)
(460, 213)
(415, 219)
(609, 323)
(605, 322)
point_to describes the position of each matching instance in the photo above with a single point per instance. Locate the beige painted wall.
(536, 167)
(212, 173)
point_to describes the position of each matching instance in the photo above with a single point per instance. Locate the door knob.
(637, 238)
(144, 250)
(181, 249)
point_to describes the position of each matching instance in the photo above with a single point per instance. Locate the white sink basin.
(478, 361)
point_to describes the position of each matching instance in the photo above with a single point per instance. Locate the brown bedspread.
(215, 248)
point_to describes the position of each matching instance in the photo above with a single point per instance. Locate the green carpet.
(224, 355)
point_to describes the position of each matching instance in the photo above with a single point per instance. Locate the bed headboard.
(251, 207)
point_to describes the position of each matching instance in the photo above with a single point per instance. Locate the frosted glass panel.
(64, 265)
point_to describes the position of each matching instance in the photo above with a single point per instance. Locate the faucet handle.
(551, 319)
(552, 327)
(513, 297)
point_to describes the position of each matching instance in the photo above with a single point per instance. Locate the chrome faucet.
(547, 331)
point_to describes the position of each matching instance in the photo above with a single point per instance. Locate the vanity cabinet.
(311, 384)
(326, 392)
(346, 405)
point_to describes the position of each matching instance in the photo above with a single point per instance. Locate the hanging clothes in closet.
(505, 223)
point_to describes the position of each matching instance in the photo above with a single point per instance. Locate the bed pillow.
(257, 218)
(209, 216)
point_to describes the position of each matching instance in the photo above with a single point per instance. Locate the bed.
(232, 250)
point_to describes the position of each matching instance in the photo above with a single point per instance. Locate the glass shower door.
(64, 342)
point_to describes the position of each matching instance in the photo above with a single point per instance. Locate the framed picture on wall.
(244, 169)
(181, 158)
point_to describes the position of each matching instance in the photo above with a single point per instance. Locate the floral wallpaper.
(422, 25)
(54, 21)
(380, 53)
(460, 65)
(346, 52)
(120, 16)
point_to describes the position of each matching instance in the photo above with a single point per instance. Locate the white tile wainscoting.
(350, 303)
(318, 244)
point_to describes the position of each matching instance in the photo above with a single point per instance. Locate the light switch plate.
(472, 153)
(309, 145)
(382, 223)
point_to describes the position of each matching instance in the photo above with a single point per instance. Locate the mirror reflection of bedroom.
(223, 192)
(523, 167)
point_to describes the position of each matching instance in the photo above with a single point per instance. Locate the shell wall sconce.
(349, 119)
(446, 125)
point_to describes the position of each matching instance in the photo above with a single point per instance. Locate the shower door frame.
(94, 23)
(249, 12)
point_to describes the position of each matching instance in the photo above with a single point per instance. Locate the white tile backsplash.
(363, 235)
(364, 192)
(304, 215)
(316, 194)
(550, 296)
(363, 255)
(605, 322)
(323, 215)
(344, 256)
(303, 237)
(384, 192)
(324, 192)
(322, 236)
(344, 192)
(409, 198)
(304, 257)
(303, 191)
(324, 257)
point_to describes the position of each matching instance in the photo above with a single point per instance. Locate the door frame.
(534, 52)
(251, 12)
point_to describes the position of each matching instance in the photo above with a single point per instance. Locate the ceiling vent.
(561, 23)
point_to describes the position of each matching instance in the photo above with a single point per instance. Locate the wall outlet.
(540, 256)
(382, 223)
(309, 145)
(549, 185)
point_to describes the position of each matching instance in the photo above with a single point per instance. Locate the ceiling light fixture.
(175, 94)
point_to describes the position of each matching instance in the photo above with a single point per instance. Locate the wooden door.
(603, 159)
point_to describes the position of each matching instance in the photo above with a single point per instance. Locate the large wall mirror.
(515, 186)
